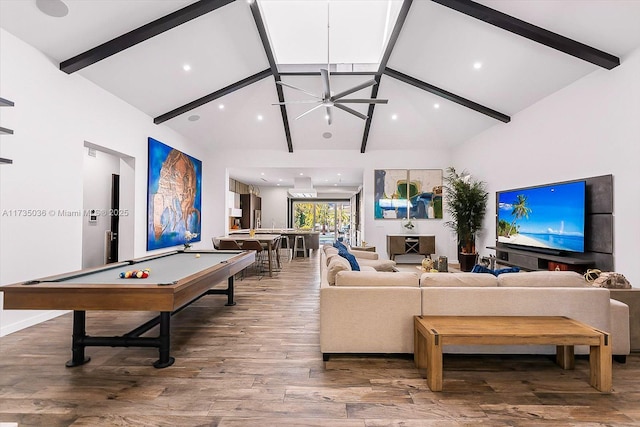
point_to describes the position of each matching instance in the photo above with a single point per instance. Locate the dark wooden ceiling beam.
(141, 34)
(257, 17)
(212, 96)
(397, 28)
(447, 95)
(532, 32)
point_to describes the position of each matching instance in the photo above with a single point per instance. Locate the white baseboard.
(25, 322)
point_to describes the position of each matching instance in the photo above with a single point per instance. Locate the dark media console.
(529, 260)
(598, 244)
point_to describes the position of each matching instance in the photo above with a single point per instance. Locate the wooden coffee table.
(431, 333)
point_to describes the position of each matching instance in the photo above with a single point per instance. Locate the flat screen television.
(546, 218)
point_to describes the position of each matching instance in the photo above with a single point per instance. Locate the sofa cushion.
(364, 254)
(378, 264)
(330, 252)
(336, 264)
(447, 280)
(563, 279)
(375, 278)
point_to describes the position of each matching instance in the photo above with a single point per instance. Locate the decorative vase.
(427, 264)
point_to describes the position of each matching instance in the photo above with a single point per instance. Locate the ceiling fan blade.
(329, 118)
(297, 88)
(354, 89)
(351, 110)
(307, 112)
(306, 101)
(326, 86)
(361, 101)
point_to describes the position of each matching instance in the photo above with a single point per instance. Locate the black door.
(112, 255)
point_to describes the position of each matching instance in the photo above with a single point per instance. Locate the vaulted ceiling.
(527, 50)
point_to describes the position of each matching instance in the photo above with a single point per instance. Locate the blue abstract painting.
(174, 193)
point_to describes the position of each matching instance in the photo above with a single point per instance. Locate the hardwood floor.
(259, 364)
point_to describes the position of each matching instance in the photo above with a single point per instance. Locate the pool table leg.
(230, 300)
(77, 344)
(164, 347)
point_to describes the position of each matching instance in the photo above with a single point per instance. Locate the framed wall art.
(408, 193)
(174, 193)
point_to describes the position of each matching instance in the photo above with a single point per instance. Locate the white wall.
(54, 114)
(590, 128)
(274, 207)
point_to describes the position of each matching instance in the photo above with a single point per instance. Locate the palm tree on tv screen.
(520, 210)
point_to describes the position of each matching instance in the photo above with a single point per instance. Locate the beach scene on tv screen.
(549, 217)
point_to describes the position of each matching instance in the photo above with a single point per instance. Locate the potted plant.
(466, 200)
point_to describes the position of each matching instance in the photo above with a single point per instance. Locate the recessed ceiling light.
(280, 179)
(259, 117)
(436, 106)
(221, 107)
(193, 118)
(327, 135)
(54, 8)
(301, 173)
(186, 67)
(394, 117)
(335, 185)
(339, 174)
(477, 65)
(278, 185)
(262, 173)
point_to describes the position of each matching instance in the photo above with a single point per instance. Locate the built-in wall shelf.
(5, 131)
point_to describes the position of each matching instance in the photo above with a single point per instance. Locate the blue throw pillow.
(507, 270)
(351, 258)
(482, 269)
(340, 246)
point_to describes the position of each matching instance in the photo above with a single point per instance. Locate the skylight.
(359, 31)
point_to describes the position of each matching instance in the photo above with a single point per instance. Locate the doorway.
(108, 206)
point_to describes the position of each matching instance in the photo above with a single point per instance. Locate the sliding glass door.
(331, 218)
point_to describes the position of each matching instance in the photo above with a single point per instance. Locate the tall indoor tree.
(466, 203)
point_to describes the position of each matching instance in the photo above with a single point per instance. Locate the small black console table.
(529, 260)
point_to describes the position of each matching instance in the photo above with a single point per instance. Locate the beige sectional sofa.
(370, 311)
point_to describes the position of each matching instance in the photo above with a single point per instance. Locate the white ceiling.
(437, 45)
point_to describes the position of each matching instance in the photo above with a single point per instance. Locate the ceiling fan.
(328, 99)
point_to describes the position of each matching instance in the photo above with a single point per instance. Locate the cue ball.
(197, 255)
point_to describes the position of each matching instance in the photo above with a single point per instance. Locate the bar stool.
(297, 248)
(285, 244)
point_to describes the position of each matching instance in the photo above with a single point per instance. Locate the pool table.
(176, 279)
